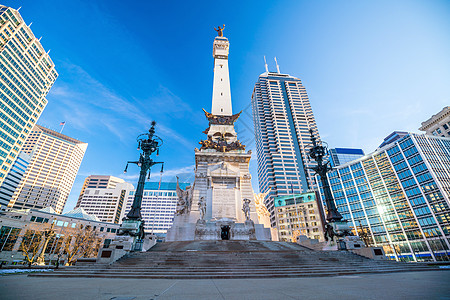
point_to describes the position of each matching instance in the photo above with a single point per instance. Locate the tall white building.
(26, 75)
(282, 117)
(99, 182)
(158, 206)
(106, 203)
(55, 160)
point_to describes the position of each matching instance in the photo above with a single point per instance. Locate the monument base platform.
(223, 229)
(235, 259)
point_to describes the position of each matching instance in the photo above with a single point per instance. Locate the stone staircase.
(234, 259)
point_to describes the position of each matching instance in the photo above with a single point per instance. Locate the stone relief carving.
(184, 199)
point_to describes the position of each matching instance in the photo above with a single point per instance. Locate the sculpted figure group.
(184, 199)
(221, 145)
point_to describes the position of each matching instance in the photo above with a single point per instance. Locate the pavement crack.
(218, 289)
(162, 293)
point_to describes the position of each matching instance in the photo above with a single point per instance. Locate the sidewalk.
(409, 285)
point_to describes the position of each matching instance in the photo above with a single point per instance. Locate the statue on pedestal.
(202, 207)
(220, 30)
(246, 209)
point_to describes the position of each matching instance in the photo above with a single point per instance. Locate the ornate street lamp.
(149, 143)
(318, 153)
(335, 226)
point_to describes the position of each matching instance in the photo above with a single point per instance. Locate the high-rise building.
(340, 156)
(282, 117)
(106, 203)
(399, 194)
(158, 206)
(98, 182)
(299, 214)
(438, 124)
(55, 160)
(12, 180)
(27, 74)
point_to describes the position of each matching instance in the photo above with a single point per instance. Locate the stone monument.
(219, 205)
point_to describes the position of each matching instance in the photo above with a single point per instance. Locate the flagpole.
(62, 127)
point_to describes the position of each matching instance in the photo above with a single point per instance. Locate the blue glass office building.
(12, 180)
(340, 156)
(400, 194)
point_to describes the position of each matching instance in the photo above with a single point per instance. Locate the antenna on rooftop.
(30, 24)
(278, 67)
(265, 64)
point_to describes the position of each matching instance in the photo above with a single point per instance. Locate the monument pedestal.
(122, 245)
(223, 183)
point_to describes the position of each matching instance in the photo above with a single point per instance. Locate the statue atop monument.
(220, 30)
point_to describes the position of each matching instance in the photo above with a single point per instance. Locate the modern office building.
(55, 160)
(396, 135)
(299, 214)
(99, 182)
(438, 124)
(26, 75)
(400, 194)
(282, 117)
(340, 156)
(14, 224)
(106, 203)
(12, 180)
(158, 206)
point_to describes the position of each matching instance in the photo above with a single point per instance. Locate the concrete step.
(222, 276)
(234, 259)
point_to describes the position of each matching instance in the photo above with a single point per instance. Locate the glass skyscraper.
(282, 117)
(400, 195)
(340, 156)
(26, 75)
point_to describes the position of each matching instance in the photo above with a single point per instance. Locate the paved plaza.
(406, 285)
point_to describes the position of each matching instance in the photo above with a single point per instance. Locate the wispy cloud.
(89, 103)
(185, 173)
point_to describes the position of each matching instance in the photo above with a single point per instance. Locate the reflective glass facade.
(400, 195)
(340, 156)
(282, 117)
(12, 180)
(26, 75)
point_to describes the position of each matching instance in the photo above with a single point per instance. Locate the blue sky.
(369, 67)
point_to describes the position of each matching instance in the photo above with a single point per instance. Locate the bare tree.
(30, 245)
(83, 243)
